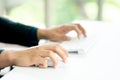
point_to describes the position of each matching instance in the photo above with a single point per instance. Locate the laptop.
(79, 46)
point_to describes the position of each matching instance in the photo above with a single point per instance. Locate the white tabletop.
(102, 62)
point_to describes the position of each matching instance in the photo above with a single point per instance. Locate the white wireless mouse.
(60, 63)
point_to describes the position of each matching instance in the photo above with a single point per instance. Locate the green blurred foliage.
(114, 2)
(64, 11)
(31, 12)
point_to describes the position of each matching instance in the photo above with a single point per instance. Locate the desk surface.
(102, 62)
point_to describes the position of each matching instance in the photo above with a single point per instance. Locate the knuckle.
(77, 24)
(56, 62)
(56, 46)
(37, 48)
(76, 27)
(63, 26)
(50, 53)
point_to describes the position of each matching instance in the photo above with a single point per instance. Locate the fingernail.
(67, 55)
(55, 67)
(65, 60)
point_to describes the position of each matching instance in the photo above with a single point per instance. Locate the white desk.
(102, 62)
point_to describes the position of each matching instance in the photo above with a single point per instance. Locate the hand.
(37, 56)
(59, 33)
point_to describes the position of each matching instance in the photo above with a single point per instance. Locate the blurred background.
(48, 13)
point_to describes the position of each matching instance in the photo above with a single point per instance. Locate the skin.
(58, 34)
(38, 55)
(33, 56)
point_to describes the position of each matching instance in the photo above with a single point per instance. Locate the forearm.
(17, 33)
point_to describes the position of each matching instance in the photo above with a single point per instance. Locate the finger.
(82, 30)
(65, 38)
(70, 27)
(45, 65)
(59, 50)
(75, 27)
(64, 29)
(54, 59)
(51, 55)
(40, 61)
(78, 31)
(64, 50)
(62, 53)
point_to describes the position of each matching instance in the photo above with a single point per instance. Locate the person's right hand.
(38, 55)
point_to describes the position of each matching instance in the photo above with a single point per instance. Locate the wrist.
(42, 34)
(5, 59)
(11, 57)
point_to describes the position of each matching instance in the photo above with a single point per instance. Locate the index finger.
(82, 30)
(51, 55)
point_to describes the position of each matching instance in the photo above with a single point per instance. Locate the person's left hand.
(59, 33)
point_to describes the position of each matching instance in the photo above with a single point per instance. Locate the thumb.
(40, 62)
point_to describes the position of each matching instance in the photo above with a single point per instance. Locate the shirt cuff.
(1, 50)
